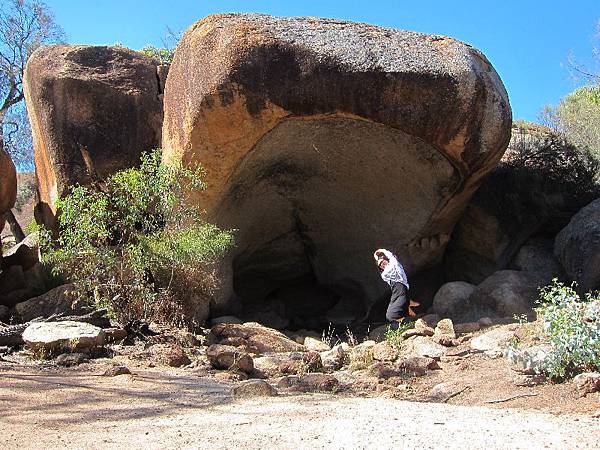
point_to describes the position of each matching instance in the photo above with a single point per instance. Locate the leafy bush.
(577, 118)
(134, 245)
(25, 193)
(572, 325)
(162, 55)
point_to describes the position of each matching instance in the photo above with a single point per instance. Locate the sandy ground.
(153, 409)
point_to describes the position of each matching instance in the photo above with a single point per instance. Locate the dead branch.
(511, 398)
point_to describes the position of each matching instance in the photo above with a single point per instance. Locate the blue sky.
(527, 41)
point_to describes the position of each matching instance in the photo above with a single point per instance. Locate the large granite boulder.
(577, 247)
(8, 186)
(93, 110)
(506, 293)
(324, 140)
(540, 183)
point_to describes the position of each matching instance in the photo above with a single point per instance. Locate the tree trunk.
(15, 228)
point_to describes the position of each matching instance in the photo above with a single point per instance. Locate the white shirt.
(393, 272)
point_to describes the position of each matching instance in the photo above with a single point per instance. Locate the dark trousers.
(398, 306)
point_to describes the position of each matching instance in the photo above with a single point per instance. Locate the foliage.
(577, 117)
(25, 193)
(164, 54)
(394, 337)
(134, 245)
(572, 326)
(24, 26)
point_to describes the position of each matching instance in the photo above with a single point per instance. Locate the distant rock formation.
(8, 185)
(93, 110)
(324, 140)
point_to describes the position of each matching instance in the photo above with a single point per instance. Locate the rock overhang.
(268, 100)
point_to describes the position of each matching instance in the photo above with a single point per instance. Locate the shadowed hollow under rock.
(324, 140)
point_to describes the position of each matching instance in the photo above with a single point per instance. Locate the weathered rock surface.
(254, 336)
(537, 256)
(8, 185)
(59, 300)
(425, 347)
(383, 351)
(315, 344)
(93, 110)
(291, 117)
(227, 357)
(588, 382)
(254, 388)
(48, 337)
(24, 254)
(539, 184)
(452, 300)
(504, 294)
(577, 247)
(334, 359)
(493, 341)
(417, 366)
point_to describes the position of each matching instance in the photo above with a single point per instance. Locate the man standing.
(393, 274)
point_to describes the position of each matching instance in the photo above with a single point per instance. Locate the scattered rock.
(50, 337)
(59, 300)
(427, 322)
(361, 356)
(315, 344)
(416, 366)
(424, 346)
(493, 341)
(115, 334)
(320, 382)
(254, 388)
(70, 359)
(442, 392)
(383, 351)
(256, 336)
(174, 356)
(418, 332)
(444, 333)
(115, 371)
(587, 383)
(226, 357)
(334, 359)
(267, 366)
(452, 299)
(385, 370)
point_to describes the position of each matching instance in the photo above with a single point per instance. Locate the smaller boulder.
(467, 327)
(50, 337)
(56, 301)
(315, 344)
(494, 341)
(587, 383)
(115, 371)
(254, 388)
(537, 256)
(266, 366)
(174, 356)
(505, 294)
(70, 359)
(24, 254)
(425, 347)
(417, 366)
(226, 357)
(445, 327)
(452, 300)
(383, 351)
(319, 382)
(334, 359)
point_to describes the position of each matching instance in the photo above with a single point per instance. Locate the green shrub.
(572, 325)
(25, 193)
(134, 245)
(394, 337)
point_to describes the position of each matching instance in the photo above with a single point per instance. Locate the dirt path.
(181, 410)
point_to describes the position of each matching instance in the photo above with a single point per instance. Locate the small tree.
(164, 54)
(134, 245)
